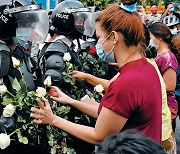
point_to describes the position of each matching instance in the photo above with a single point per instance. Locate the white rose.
(4, 141)
(47, 81)
(16, 63)
(3, 89)
(67, 57)
(99, 88)
(41, 92)
(8, 110)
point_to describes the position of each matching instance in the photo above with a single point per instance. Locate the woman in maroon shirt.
(128, 102)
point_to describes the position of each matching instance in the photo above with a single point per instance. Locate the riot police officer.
(68, 19)
(19, 23)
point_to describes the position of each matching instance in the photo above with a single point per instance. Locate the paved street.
(178, 135)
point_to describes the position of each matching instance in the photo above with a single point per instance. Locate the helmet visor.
(16, 3)
(79, 20)
(32, 26)
(90, 24)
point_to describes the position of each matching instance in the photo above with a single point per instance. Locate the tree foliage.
(104, 3)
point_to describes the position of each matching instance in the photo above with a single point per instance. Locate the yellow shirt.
(166, 114)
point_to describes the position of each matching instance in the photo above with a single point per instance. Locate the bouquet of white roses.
(25, 131)
(18, 105)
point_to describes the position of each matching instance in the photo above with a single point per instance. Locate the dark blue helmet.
(69, 18)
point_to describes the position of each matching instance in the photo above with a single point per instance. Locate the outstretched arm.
(91, 79)
(87, 108)
(108, 123)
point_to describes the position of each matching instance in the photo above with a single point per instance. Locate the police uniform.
(51, 58)
(18, 22)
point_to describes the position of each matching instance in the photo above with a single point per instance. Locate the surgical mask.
(171, 10)
(151, 44)
(22, 36)
(110, 57)
(105, 57)
(174, 31)
(20, 40)
(129, 8)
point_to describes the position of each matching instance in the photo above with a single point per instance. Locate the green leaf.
(7, 100)
(24, 140)
(16, 85)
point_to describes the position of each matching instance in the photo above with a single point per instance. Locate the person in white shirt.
(154, 16)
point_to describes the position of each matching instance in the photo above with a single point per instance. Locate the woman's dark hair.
(150, 52)
(162, 31)
(129, 142)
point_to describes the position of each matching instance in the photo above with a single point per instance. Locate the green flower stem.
(23, 79)
(10, 93)
(67, 65)
(18, 130)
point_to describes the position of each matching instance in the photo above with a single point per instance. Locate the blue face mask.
(21, 40)
(129, 8)
(100, 52)
(171, 10)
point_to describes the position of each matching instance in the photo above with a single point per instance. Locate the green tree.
(102, 4)
(161, 2)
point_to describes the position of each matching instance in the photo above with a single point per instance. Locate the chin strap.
(1, 79)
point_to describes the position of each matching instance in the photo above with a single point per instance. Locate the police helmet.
(69, 17)
(24, 20)
(171, 20)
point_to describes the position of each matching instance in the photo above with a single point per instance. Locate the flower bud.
(8, 110)
(99, 88)
(4, 141)
(67, 57)
(41, 92)
(3, 89)
(47, 81)
(16, 63)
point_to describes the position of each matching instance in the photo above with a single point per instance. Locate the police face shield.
(80, 18)
(90, 24)
(16, 3)
(32, 26)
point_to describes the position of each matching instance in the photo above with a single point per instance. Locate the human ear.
(115, 37)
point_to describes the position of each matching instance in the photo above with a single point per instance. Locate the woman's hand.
(79, 75)
(44, 115)
(61, 97)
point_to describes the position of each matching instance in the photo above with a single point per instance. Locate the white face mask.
(151, 44)
(174, 31)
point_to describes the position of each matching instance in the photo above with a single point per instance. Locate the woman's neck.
(124, 55)
(163, 47)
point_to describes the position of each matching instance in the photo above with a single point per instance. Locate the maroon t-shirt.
(136, 95)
